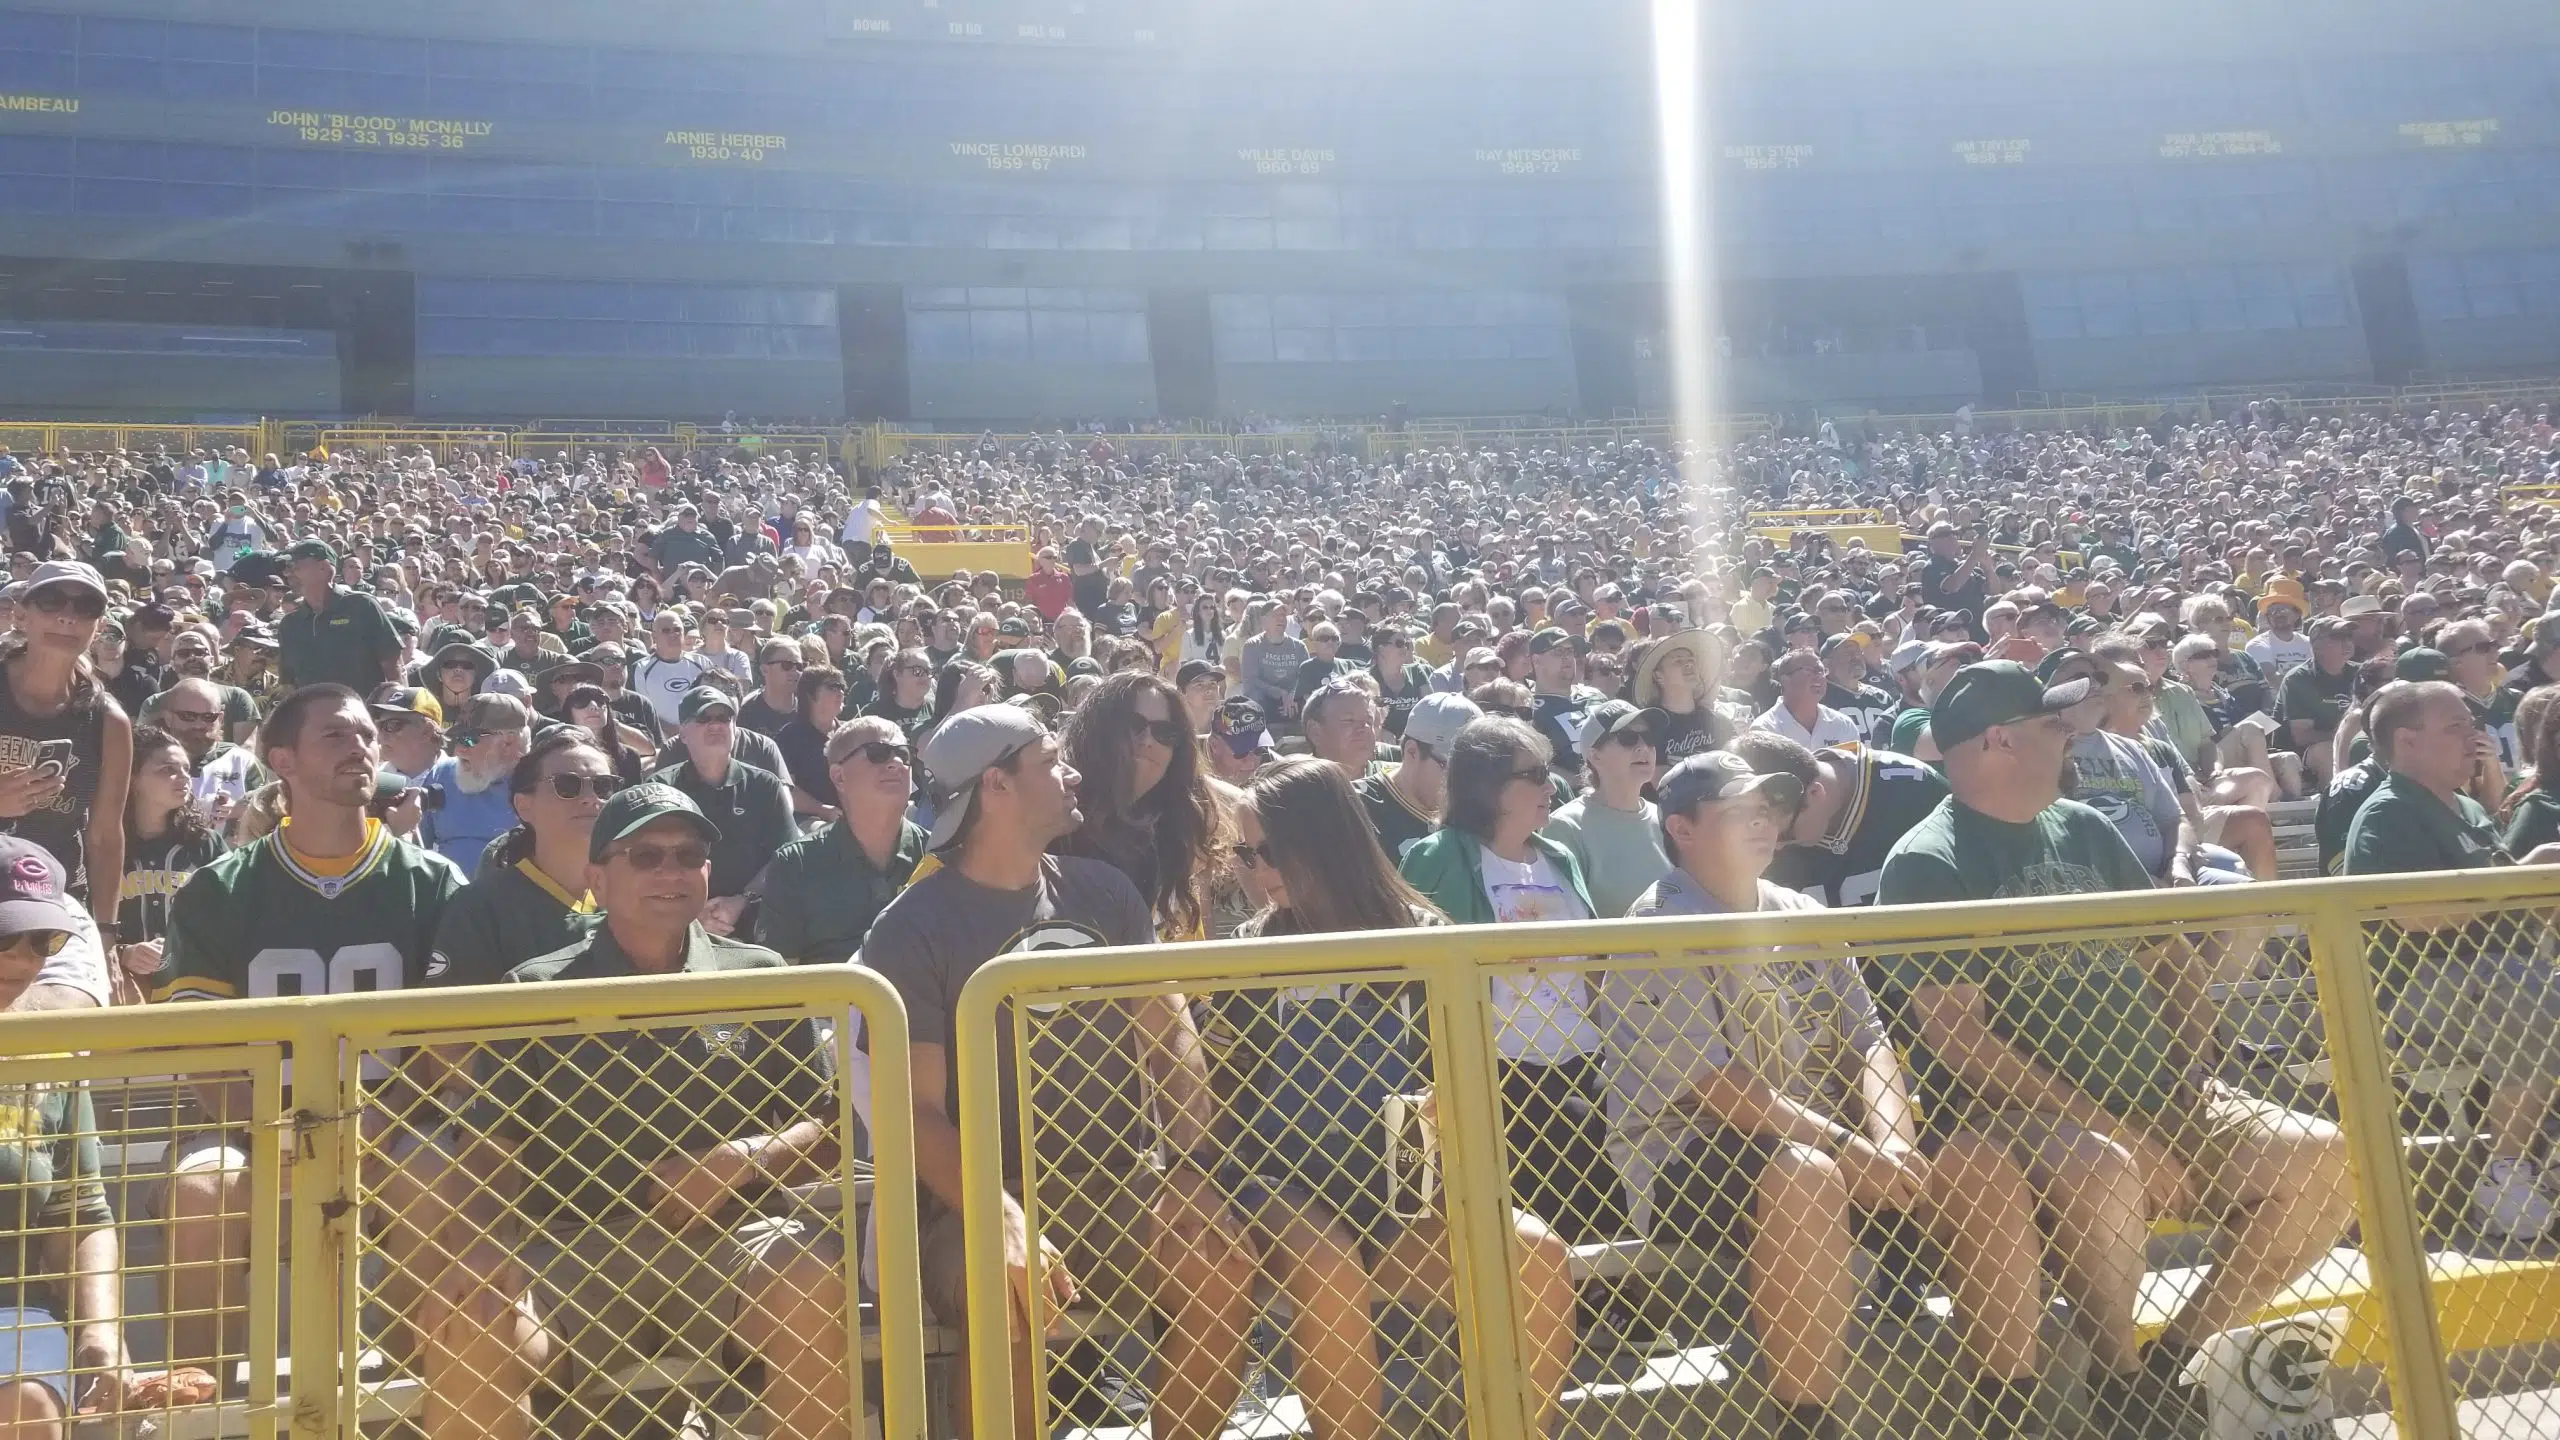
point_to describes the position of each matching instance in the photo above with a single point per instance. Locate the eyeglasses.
(2461, 650)
(54, 599)
(1167, 733)
(1249, 855)
(880, 752)
(649, 859)
(44, 942)
(924, 670)
(789, 664)
(196, 717)
(569, 787)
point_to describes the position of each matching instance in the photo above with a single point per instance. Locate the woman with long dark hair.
(166, 840)
(1304, 1087)
(803, 741)
(1488, 864)
(530, 896)
(590, 709)
(66, 748)
(1147, 805)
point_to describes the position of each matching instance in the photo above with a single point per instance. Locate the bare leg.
(795, 1318)
(1207, 1297)
(29, 1410)
(2289, 1201)
(1801, 1287)
(2091, 1192)
(1416, 1269)
(1315, 1261)
(1981, 1211)
(209, 1261)
(480, 1348)
(2516, 1111)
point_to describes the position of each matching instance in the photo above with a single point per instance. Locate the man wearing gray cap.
(1773, 1110)
(1132, 1122)
(1403, 804)
(1611, 828)
(750, 804)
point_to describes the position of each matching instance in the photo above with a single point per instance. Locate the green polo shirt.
(752, 809)
(822, 893)
(590, 1114)
(345, 642)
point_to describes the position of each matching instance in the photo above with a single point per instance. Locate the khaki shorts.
(2500, 1014)
(614, 1297)
(2206, 1134)
(1102, 1223)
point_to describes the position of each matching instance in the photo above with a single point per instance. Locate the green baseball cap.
(2420, 662)
(1996, 692)
(630, 809)
(701, 700)
(311, 550)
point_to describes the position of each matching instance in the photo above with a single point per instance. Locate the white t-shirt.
(2275, 656)
(1829, 727)
(663, 682)
(862, 522)
(1546, 1019)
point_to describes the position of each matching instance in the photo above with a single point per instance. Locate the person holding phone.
(66, 757)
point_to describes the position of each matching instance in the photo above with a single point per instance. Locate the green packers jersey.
(257, 923)
(1888, 794)
(2496, 714)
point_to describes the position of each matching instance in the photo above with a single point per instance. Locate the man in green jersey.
(2462, 987)
(632, 1190)
(330, 903)
(2095, 1059)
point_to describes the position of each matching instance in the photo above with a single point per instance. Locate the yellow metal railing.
(309, 1215)
(2407, 1301)
(49, 438)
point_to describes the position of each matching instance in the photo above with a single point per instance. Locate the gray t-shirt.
(1804, 1026)
(2117, 777)
(1620, 850)
(1088, 1097)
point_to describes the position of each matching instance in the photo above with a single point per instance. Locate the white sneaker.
(2510, 1200)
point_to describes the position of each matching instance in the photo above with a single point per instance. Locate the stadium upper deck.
(987, 209)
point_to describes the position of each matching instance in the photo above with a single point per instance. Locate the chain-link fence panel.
(1236, 1228)
(147, 1197)
(613, 1223)
(2469, 1012)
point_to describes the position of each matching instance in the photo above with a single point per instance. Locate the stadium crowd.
(371, 721)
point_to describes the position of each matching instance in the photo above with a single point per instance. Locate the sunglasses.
(1536, 776)
(649, 859)
(44, 942)
(1167, 733)
(460, 665)
(789, 664)
(1247, 855)
(570, 787)
(196, 717)
(880, 752)
(54, 599)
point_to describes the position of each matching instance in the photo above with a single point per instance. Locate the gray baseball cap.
(962, 749)
(1721, 775)
(1436, 719)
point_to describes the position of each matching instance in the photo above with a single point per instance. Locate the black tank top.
(62, 827)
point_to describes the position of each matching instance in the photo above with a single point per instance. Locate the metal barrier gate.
(1477, 1181)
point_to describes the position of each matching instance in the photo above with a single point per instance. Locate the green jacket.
(821, 893)
(1444, 867)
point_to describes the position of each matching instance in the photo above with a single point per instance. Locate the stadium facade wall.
(1944, 169)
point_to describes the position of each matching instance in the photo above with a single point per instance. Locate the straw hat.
(1703, 647)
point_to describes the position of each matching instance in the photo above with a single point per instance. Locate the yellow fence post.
(2395, 1249)
(988, 1343)
(1476, 1189)
(893, 1205)
(308, 1138)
